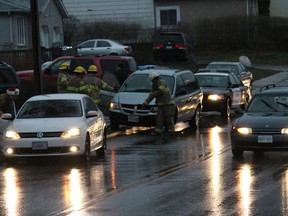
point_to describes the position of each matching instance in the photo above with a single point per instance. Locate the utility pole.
(37, 56)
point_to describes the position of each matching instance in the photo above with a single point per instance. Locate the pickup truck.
(106, 66)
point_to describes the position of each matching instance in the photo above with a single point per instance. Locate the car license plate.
(39, 145)
(265, 139)
(133, 118)
(168, 47)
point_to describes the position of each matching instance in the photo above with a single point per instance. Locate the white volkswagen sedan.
(53, 125)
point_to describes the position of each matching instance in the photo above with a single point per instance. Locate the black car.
(173, 46)
(264, 124)
(8, 77)
(222, 92)
(237, 68)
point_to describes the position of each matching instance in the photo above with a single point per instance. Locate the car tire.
(194, 121)
(102, 151)
(237, 152)
(114, 125)
(227, 110)
(86, 155)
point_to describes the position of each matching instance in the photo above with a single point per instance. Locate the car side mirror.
(7, 116)
(181, 91)
(91, 114)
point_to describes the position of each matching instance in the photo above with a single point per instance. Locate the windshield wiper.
(268, 105)
(283, 104)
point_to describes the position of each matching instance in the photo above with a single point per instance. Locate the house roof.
(24, 6)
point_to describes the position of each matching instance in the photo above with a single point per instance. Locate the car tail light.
(180, 46)
(127, 49)
(158, 46)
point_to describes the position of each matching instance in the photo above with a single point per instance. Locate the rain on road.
(192, 173)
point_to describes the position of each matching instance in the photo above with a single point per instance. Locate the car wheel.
(227, 110)
(102, 151)
(86, 156)
(194, 121)
(237, 152)
(114, 125)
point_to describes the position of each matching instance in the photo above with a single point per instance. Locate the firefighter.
(75, 83)
(63, 78)
(166, 106)
(95, 84)
(7, 101)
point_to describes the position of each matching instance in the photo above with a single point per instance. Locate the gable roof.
(24, 6)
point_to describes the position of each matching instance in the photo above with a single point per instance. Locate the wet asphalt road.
(192, 173)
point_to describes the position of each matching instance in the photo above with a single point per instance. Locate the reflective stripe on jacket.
(161, 92)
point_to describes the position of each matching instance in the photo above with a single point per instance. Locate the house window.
(45, 36)
(167, 16)
(56, 34)
(20, 31)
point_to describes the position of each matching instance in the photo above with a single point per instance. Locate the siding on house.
(52, 19)
(208, 9)
(279, 8)
(128, 11)
(15, 22)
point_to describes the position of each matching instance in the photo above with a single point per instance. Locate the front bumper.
(147, 120)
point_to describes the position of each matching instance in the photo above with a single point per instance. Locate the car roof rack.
(267, 87)
(214, 70)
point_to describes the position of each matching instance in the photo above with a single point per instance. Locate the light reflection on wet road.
(190, 174)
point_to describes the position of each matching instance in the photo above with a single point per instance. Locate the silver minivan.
(125, 107)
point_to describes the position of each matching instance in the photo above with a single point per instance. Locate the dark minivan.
(8, 77)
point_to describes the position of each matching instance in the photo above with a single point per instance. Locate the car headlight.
(284, 131)
(243, 130)
(12, 135)
(71, 133)
(215, 97)
(114, 105)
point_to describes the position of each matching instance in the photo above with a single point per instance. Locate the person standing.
(120, 73)
(7, 101)
(63, 78)
(95, 84)
(75, 83)
(166, 106)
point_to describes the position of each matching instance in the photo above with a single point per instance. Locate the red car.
(106, 66)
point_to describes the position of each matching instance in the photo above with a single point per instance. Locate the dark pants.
(165, 117)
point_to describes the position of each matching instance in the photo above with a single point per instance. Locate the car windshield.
(141, 83)
(51, 109)
(269, 103)
(171, 38)
(232, 68)
(7, 77)
(212, 80)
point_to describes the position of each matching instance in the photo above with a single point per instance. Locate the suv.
(8, 77)
(106, 66)
(125, 107)
(173, 46)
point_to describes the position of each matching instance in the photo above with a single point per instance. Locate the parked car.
(264, 124)
(235, 67)
(54, 125)
(103, 47)
(222, 92)
(125, 107)
(8, 77)
(106, 66)
(173, 46)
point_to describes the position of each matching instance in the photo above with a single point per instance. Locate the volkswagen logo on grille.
(39, 135)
